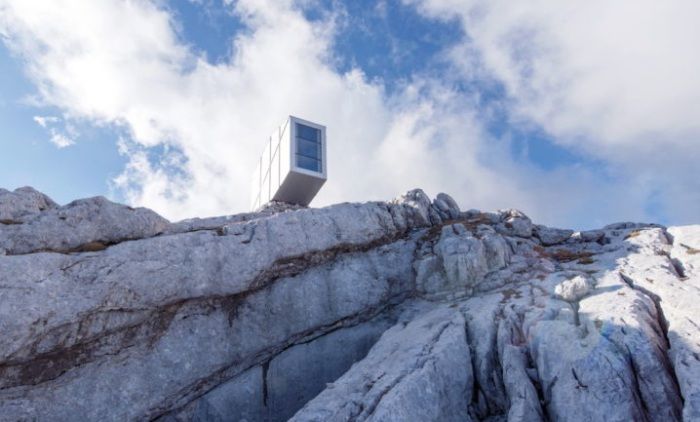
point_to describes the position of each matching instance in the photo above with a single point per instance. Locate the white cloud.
(600, 68)
(61, 140)
(616, 80)
(43, 121)
(120, 62)
(58, 138)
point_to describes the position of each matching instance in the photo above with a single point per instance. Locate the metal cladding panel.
(299, 188)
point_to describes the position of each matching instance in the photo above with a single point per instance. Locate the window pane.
(308, 148)
(308, 163)
(309, 133)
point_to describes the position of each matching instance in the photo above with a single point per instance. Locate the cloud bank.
(614, 80)
(193, 129)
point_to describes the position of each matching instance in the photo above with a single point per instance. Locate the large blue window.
(308, 150)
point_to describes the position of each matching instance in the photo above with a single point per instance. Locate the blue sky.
(166, 103)
(30, 159)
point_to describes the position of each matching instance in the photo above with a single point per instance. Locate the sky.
(578, 113)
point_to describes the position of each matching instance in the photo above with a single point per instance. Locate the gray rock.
(222, 222)
(301, 372)
(15, 206)
(483, 316)
(551, 236)
(592, 235)
(446, 207)
(418, 206)
(470, 213)
(451, 203)
(238, 399)
(420, 371)
(497, 251)
(458, 261)
(85, 225)
(518, 382)
(250, 316)
(463, 257)
(140, 276)
(188, 336)
(277, 389)
(514, 223)
(434, 216)
(430, 276)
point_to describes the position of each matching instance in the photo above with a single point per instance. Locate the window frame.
(294, 147)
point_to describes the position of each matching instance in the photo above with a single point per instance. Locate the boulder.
(592, 235)
(446, 207)
(417, 204)
(15, 206)
(551, 236)
(85, 225)
(514, 223)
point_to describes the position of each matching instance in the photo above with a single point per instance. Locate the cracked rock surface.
(408, 310)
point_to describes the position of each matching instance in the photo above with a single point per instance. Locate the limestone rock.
(84, 225)
(418, 206)
(394, 311)
(551, 236)
(592, 235)
(14, 206)
(430, 275)
(514, 223)
(446, 207)
(497, 250)
(463, 256)
(288, 381)
(458, 260)
(419, 371)
(573, 289)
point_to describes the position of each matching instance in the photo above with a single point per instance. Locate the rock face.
(409, 310)
(418, 370)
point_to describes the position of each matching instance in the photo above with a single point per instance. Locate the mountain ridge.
(409, 309)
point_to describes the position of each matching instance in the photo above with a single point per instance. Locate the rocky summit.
(408, 310)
